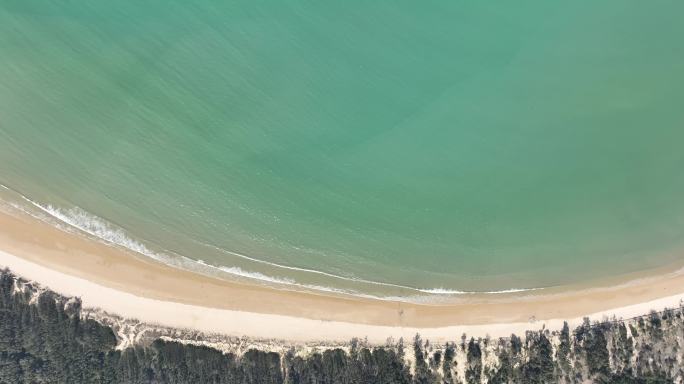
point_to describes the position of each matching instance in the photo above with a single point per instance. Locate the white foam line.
(353, 279)
(110, 234)
(434, 291)
(285, 327)
(99, 229)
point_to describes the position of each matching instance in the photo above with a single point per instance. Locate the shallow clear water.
(464, 146)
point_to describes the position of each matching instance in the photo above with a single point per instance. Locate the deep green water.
(457, 145)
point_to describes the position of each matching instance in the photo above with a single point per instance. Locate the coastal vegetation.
(48, 338)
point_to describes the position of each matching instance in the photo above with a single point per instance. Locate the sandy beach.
(132, 286)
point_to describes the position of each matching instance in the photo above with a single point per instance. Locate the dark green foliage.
(596, 351)
(336, 366)
(623, 349)
(423, 374)
(44, 339)
(448, 362)
(169, 362)
(47, 341)
(563, 352)
(504, 373)
(516, 345)
(539, 368)
(627, 379)
(474, 362)
(655, 325)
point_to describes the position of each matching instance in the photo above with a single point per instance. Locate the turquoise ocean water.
(359, 146)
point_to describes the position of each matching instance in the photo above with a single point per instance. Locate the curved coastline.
(115, 280)
(84, 223)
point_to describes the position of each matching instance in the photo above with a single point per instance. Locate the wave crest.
(112, 234)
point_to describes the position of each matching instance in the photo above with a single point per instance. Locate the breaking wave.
(109, 233)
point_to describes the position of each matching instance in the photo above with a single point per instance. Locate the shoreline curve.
(117, 281)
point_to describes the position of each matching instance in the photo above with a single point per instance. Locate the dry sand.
(120, 282)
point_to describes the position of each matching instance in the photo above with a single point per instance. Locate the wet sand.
(130, 285)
